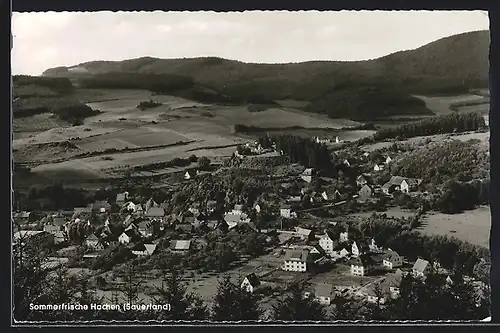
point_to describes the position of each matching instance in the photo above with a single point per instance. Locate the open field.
(441, 104)
(64, 134)
(471, 226)
(341, 277)
(132, 138)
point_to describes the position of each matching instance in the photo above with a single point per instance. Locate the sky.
(50, 39)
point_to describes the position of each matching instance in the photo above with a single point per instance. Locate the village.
(299, 246)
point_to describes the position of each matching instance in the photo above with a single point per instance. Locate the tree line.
(452, 123)
(302, 150)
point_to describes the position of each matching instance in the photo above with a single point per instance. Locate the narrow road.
(326, 206)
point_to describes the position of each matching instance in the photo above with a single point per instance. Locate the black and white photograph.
(253, 166)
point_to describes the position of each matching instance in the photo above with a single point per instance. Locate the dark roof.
(390, 255)
(253, 279)
(396, 180)
(184, 227)
(296, 255)
(393, 280)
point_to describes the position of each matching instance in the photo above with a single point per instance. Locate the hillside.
(361, 90)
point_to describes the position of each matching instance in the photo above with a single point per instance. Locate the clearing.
(441, 104)
(470, 226)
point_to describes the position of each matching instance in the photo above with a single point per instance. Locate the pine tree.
(296, 307)
(233, 303)
(183, 306)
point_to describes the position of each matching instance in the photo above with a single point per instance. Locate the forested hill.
(360, 90)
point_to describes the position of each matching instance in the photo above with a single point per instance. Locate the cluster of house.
(327, 140)
(253, 148)
(395, 184)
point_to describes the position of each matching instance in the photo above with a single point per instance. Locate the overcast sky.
(50, 39)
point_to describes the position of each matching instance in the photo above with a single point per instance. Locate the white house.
(409, 185)
(296, 261)
(344, 237)
(378, 167)
(358, 267)
(126, 236)
(421, 268)
(190, 174)
(388, 160)
(286, 212)
(355, 250)
(392, 260)
(326, 243)
(257, 208)
(343, 253)
(250, 283)
(307, 175)
(144, 250)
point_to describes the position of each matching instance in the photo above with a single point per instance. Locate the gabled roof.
(92, 237)
(396, 180)
(300, 255)
(238, 207)
(253, 280)
(413, 181)
(391, 255)
(130, 233)
(180, 244)
(394, 280)
(187, 227)
(420, 265)
(308, 172)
